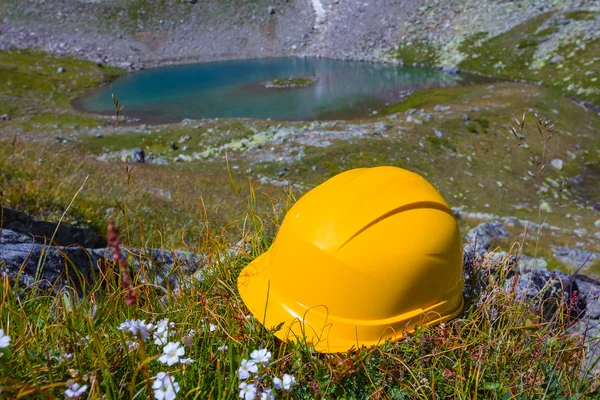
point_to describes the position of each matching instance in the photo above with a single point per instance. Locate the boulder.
(480, 238)
(139, 157)
(57, 267)
(42, 231)
(556, 59)
(574, 257)
(550, 291)
(546, 291)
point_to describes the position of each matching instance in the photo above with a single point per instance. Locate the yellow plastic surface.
(363, 257)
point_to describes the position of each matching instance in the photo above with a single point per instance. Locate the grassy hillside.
(553, 48)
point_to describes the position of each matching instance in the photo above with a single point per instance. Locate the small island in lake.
(291, 82)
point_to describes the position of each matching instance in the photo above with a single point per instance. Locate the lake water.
(232, 89)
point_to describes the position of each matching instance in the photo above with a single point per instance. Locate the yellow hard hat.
(364, 257)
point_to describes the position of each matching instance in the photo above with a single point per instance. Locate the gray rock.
(20, 262)
(414, 120)
(271, 10)
(186, 121)
(574, 257)
(550, 291)
(139, 157)
(531, 263)
(591, 288)
(10, 237)
(437, 133)
(4, 117)
(66, 235)
(156, 265)
(158, 161)
(480, 238)
(61, 70)
(556, 59)
(381, 127)
(450, 69)
(546, 291)
(57, 267)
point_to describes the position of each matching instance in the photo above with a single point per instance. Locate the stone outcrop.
(55, 267)
(43, 231)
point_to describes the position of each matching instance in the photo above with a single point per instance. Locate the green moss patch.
(417, 52)
(291, 82)
(581, 15)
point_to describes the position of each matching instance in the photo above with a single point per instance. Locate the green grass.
(30, 82)
(511, 55)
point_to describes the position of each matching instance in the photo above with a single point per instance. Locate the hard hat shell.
(364, 257)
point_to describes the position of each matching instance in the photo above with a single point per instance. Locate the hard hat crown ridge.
(360, 258)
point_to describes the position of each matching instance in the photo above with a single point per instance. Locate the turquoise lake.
(235, 89)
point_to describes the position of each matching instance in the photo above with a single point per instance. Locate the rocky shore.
(132, 36)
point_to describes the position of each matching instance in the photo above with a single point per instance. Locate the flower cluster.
(257, 389)
(138, 328)
(165, 386)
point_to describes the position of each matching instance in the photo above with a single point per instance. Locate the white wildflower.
(211, 327)
(223, 348)
(286, 383)
(261, 356)
(4, 339)
(165, 387)
(246, 368)
(75, 391)
(172, 352)
(161, 334)
(138, 328)
(186, 361)
(247, 391)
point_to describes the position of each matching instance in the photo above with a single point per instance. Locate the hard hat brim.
(314, 325)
